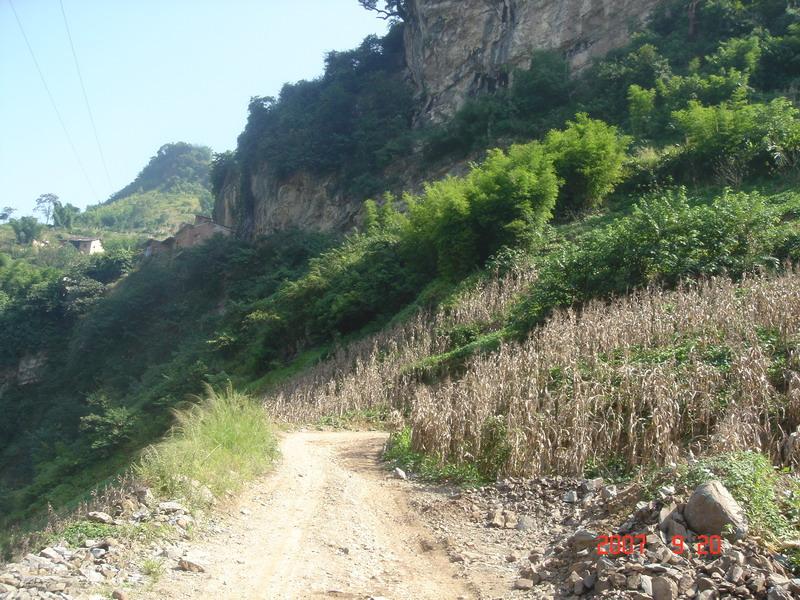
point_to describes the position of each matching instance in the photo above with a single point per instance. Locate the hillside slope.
(172, 188)
(549, 309)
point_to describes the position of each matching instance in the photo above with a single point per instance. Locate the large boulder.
(711, 509)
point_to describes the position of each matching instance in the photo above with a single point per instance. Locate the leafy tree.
(110, 426)
(6, 212)
(26, 229)
(223, 164)
(664, 241)
(172, 169)
(45, 204)
(352, 121)
(642, 104)
(111, 264)
(64, 215)
(589, 156)
(387, 9)
(458, 224)
(542, 87)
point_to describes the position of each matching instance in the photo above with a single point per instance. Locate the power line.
(52, 101)
(86, 98)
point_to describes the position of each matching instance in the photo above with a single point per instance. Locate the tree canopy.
(174, 168)
(387, 9)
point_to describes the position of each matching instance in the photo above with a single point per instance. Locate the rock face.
(303, 201)
(711, 509)
(454, 49)
(458, 48)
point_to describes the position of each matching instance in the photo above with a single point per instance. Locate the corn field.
(712, 366)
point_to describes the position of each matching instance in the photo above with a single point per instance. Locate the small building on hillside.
(189, 234)
(156, 247)
(86, 245)
(203, 229)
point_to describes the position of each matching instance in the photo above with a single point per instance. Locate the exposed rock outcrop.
(454, 49)
(302, 201)
(457, 48)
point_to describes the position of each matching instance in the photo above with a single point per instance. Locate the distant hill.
(172, 168)
(171, 189)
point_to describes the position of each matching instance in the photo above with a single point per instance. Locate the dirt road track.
(327, 523)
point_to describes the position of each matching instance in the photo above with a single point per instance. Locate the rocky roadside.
(152, 534)
(538, 538)
(519, 538)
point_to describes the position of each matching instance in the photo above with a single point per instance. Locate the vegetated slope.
(170, 190)
(710, 367)
(116, 349)
(118, 358)
(709, 53)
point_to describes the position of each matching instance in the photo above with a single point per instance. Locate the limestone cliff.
(302, 201)
(458, 48)
(454, 49)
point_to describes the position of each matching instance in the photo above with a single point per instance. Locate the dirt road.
(329, 522)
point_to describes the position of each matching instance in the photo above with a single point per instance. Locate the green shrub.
(458, 224)
(495, 447)
(399, 453)
(753, 482)
(110, 426)
(663, 241)
(756, 138)
(544, 86)
(589, 157)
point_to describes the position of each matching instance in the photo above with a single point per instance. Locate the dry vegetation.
(374, 372)
(712, 366)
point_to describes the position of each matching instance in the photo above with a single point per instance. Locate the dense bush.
(664, 240)
(119, 356)
(747, 138)
(589, 157)
(351, 121)
(458, 224)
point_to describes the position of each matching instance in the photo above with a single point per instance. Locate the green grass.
(274, 377)
(769, 497)
(220, 443)
(400, 454)
(438, 365)
(154, 569)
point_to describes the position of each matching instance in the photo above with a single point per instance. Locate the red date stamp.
(615, 545)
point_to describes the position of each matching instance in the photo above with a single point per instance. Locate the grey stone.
(609, 492)
(171, 507)
(711, 509)
(571, 497)
(100, 517)
(735, 574)
(523, 584)
(582, 539)
(646, 583)
(777, 593)
(592, 485)
(664, 589)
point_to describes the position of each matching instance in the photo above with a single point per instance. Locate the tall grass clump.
(219, 443)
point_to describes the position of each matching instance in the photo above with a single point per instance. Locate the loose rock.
(711, 508)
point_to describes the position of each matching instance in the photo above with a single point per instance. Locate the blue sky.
(155, 71)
